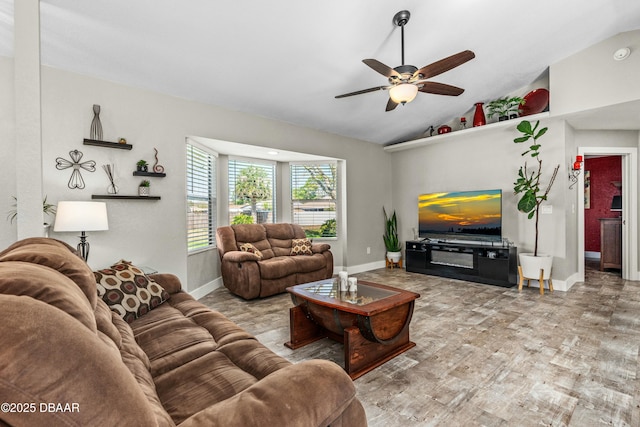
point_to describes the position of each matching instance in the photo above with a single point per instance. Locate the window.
(201, 198)
(251, 192)
(313, 198)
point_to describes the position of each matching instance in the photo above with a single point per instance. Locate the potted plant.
(143, 188)
(390, 237)
(531, 193)
(47, 208)
(505, 107)
(142, 166)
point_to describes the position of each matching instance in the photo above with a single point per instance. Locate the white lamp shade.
(81, 216)
(402, 93)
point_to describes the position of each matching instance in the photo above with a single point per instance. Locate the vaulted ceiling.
(287, 59)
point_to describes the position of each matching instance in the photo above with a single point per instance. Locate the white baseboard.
(592, 255)
(359, 268)
(206, 288)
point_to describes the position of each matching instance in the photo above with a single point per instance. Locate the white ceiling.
(287, 59)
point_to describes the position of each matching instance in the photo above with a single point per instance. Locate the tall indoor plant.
(390, 237)
(532, 194)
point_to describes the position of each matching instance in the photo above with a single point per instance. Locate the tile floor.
(488, 356)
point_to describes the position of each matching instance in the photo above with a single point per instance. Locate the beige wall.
(154, 233)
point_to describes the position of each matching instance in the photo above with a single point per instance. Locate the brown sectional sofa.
(179, 364)
(249, 276)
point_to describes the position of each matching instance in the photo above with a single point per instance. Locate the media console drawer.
(494, 265)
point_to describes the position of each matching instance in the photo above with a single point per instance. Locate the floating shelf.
(157, 174)
(107, 144)
(117, 196)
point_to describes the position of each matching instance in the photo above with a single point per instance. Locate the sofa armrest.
(168, 281)
(318, 248)
(310, 393)
(239, 256)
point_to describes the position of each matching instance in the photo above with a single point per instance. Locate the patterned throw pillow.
(248, 247)
(301, 247)
(128, 291)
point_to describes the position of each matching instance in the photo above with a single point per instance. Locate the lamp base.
(83, 247)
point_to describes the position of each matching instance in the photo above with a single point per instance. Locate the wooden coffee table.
(373, 324)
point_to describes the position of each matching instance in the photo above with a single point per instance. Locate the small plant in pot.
(142, 166)
(390, 237)
(532, 194)
(143, 188)
(505, 108)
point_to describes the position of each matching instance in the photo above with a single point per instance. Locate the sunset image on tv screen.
(461, 213)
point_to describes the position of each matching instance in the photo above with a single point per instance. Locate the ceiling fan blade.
(440, 89)
(378, 66)
(445, 64)
(360, 92)
(391, 104)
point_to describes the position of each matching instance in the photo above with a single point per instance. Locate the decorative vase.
(478, 116)
(96, 126)
(143, 191)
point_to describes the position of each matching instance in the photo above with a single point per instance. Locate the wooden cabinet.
(610, 243)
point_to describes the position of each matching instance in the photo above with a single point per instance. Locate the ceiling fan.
(405, 81)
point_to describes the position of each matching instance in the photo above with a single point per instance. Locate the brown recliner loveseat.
(67, 359)
(276, 266)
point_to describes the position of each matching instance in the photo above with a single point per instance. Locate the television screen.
(461, 215)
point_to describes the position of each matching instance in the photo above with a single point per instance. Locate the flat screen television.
(461, 215)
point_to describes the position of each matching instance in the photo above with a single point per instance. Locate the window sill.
(199, 251)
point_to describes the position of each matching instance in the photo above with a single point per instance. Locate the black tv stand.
(482, 262)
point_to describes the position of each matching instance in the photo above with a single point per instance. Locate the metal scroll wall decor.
(76, 180)
(156, 167)
(110, 170)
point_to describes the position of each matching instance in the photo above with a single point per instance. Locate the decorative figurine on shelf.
(76, 180)
(478, 116)
(156, 167)
(96, 126)
(142, 166)
(431, 130)
(122, 140)
(463, 123)
(144, 188)
(109, 170)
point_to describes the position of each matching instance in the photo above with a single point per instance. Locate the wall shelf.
(118, 196)
(435, 139)
(107, 144)
(156, 174)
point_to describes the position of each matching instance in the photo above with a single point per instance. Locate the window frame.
(212, 201)
(335, 201)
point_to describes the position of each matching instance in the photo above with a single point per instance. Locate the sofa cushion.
(309, 263)
(128, 291)
(301, 247)
(248, 247)
(254, 234)
(275, 268)
(57, 255)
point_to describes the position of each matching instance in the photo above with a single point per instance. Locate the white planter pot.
(531, 265)
(394, 256)
(143, 191)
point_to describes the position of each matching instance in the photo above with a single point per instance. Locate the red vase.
(478, 117)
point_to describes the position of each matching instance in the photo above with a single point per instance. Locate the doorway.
(629, 176)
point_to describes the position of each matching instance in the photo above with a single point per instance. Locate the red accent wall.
(603, 170)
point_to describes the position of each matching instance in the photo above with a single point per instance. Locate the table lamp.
(81, 216)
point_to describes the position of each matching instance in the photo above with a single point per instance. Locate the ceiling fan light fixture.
(403, 93)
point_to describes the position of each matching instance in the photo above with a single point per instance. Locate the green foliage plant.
(142, 163)
(242, 219)
(145, 183)
(390, 236)
(328, 228)
(504, 107)
(527, 185)
(47, 208)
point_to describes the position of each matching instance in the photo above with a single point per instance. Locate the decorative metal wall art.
(76, 180)
(96, 126)
(109, 170)
(156, 167)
